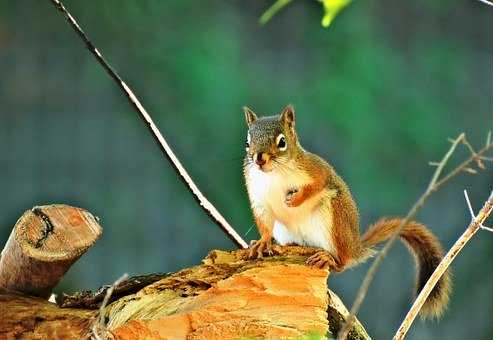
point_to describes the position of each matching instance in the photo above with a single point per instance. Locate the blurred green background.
(377, 94)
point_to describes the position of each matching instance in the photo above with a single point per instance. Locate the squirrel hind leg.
(324, 260)
(260, 248)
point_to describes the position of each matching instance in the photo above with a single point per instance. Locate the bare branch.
(473, 216)
(433, 186)
(462, 166)
(473, 227)
(487, 229)
(471, 150)
(207, 206)
(486, 2)
(469, 206)
(444, 161)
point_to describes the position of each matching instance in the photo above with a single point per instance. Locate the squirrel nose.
(261, 158)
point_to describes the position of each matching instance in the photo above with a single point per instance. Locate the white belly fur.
(308, 224)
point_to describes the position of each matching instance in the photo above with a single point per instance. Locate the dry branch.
(44, 243)
(227, 296)
(204, 203)
(486, 2)
(436, 182)
(474, 226)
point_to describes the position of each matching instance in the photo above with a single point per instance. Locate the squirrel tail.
(427, 253)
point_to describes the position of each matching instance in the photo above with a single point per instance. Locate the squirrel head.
(271, 141)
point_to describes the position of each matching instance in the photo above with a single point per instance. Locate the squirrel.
(298, 198)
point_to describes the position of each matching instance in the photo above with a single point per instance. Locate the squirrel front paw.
(260, 247)
(293, 198)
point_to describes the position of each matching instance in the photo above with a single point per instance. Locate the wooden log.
(44, 243)
(25, 317)
(225, 297)
(229, 297)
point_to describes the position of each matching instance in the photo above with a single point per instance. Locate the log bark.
(226, 297)
(44, 243)
(27, 317)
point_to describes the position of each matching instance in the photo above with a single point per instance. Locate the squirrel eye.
(247, 143)
(281, 142)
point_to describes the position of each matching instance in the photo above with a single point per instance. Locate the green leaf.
(272, 10)
(331, 9)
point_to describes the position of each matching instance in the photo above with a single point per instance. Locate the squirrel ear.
(250, 116)
(287, 116)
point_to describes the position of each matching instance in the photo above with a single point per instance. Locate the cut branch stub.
(44, 243)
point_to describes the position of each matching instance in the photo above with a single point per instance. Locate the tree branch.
(486, 2)
(207, 206)
(434, 185)
(474, 226)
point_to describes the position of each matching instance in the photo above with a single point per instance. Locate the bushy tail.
(427, 253)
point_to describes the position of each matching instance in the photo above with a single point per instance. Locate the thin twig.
(487, 229)
(469, 205)
(433, 186)
(474, 226)
(444, 161)
(486, 2)
(99, 331)
(471, 212)
(458, 169)
(272, 10)
(207, 206)
(473, 152)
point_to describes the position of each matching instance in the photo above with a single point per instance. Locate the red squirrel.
(298, 198)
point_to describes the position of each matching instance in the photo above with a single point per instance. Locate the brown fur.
(427, 253)
(319, 182)
(345, 214)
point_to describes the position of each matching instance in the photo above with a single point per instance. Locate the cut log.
(231, 297)
(44, 243)
(25, 317)
(226, 297)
